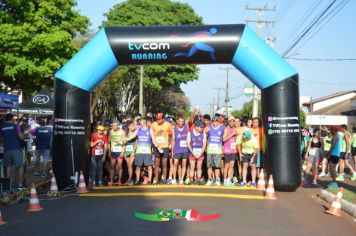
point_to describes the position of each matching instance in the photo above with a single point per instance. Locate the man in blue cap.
(247, 146)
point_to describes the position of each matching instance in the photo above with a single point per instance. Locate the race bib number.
(129, 148)
(197, 151)
(213, 146)
(312, 152)
(183, 143)
(160, 139)
(233, 146)
(117, 149)
(98, 151)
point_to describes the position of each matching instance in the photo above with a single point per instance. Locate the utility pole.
(211, 106)
(227, 88)
(140, 105)
(218, 102)
(260, 22)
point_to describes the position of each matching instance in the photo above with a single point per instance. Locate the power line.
(324, 22)
(289, 36)
(308, 29)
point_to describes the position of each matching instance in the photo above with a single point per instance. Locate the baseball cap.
(100, 127)
(247, 134)
(199, 124)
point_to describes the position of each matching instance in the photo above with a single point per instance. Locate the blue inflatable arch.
(210, 44)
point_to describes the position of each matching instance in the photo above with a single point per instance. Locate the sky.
(335, 39)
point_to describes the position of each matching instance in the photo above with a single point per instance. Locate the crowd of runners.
(161, 150)
(333, 147)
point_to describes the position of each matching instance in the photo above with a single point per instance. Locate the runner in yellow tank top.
(116, 141)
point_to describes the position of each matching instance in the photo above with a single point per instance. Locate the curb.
(12, 197)
(347, 206)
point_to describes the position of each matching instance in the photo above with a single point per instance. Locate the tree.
(246, 110)
(157, 79)
(36, 39)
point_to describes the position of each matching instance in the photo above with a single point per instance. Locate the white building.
(334, 109)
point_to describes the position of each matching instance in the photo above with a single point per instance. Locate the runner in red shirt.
(98, 144)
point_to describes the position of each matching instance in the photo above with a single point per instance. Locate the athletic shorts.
(334, 159)
(182, 156)
(192, 158)
(229, 157)
(14, 158)
(213, 160)
(259, 159)
(115, 155)
(342, 156)
(143, 159)
(353, 151)
(164, 154)
(246, 158)
(314, 158)
(44, 153)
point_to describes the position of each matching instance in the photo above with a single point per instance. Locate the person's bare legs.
(175, 168)
(164, 167)
(157, 169)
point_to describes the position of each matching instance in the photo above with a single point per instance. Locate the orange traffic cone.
(53, 190)
(34, 202)
(2, 222)
(269, 194)
(82, 188)
(261, 184)
(335, 208)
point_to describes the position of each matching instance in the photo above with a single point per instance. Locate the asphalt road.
(296, 213)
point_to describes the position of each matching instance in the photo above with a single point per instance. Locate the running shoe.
(187, 181)
(333, 185)
(217, 182)
(235, 180)
(137, 182)
(322, 174)
(154, 182)
(340, 177)
(169, 180)
(119, 183)
(129, 182)
(100, 183)
(163, 182)
(314, 182)
(353, 177)
(110, 184)
(180, 181)
(174, 181)
(149, 182)
(200, 182)
(253, 185)
(243, 183)
(210, 183)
